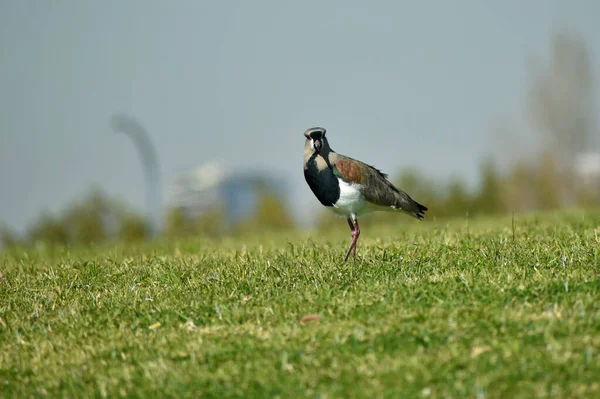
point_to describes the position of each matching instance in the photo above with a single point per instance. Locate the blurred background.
(134, 119)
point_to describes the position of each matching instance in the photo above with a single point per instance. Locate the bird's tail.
(410, 206)
(420, 210)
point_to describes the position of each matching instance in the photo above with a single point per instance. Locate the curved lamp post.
(127, 125)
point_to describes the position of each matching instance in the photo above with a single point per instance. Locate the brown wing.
(348, 169)
(376, 188)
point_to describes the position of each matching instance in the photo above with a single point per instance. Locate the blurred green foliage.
(210, 223)
(526, 186)
(96, 218)
(271, 214)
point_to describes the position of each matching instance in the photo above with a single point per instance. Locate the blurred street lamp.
(125, 124)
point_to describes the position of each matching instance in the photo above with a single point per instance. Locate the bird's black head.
(315, 139)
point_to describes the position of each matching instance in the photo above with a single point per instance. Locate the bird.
(350, 188)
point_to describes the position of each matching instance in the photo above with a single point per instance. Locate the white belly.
(351, 203)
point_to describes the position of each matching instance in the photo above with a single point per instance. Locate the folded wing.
(376, 188)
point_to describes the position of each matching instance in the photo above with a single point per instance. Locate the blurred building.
(236, 192)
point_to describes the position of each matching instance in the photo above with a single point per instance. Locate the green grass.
(466, 309)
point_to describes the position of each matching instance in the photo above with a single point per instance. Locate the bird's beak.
(317, 144)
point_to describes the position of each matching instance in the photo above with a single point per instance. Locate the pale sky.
(395, 83)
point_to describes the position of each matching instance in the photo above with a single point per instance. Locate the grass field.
(489, 308)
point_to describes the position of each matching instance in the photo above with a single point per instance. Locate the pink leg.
(355, 233)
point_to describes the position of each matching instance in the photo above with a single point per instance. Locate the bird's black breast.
(323, 183)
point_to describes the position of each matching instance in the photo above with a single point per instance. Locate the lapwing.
(351, 188)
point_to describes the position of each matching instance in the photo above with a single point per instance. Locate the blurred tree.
(48, 229)
(133, 228)
(548, 189)
(488, 199)
(211, 223)
(561, 102)
(177, 223)
(517, 188)
(272, 213)
(8, 238)
(561, 109)
(419, 187)
(91, 219)
(458, 202)
(423, 190)
(325, 220)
